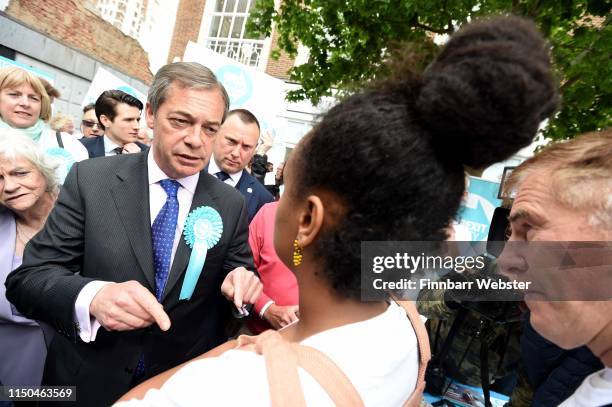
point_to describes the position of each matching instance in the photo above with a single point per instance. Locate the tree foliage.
(351, 41)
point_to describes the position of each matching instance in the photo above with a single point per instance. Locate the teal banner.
(476, 211)
(41, 74)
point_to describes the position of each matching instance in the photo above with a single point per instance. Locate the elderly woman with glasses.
(28, 189)
(25, 107)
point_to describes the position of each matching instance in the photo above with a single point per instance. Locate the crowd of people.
(133, 257)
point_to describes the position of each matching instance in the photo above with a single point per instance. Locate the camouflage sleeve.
(431, 304)
(523, 392)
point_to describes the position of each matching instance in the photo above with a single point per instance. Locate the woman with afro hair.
(385, 164)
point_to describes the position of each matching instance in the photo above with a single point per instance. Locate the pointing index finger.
(236, 281)
(155, 309)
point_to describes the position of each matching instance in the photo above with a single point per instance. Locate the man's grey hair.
(579, 172)
(15, 145)
(185, 75)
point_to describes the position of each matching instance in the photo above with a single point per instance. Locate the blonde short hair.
(59, 121)
(580, 171)
(12, 77)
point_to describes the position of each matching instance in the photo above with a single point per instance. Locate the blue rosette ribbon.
(202, 231)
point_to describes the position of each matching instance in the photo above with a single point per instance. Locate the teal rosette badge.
(202, 231)
(64, 159)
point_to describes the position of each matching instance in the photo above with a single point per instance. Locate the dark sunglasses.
(90, 124)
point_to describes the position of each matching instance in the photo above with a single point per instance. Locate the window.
(226, 32)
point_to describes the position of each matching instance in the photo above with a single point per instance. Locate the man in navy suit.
(119, 114)
(234, 147)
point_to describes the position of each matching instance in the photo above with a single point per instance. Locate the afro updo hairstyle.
(394, 154)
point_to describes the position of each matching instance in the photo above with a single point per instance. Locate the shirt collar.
(156, 174)
(109, 145)
(213, 168)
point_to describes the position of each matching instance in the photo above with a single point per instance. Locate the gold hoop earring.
(297, 253)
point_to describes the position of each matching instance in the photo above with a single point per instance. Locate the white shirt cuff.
(88, 325)
(264, 308)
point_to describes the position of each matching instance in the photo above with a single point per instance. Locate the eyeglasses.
(91, 124)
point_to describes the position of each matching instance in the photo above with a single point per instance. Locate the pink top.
(278, 281)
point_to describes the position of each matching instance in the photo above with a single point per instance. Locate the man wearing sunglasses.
(89, 123)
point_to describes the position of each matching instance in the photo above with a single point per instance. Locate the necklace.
(21, 234)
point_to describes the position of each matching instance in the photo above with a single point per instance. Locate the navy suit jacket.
(95, 146)
(255, 194)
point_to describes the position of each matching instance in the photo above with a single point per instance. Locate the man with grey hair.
(147, 246)
(564, 201)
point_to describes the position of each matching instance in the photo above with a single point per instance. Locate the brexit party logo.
(476, 211)
(238, 84)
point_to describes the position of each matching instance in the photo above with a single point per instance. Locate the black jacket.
(553, 372)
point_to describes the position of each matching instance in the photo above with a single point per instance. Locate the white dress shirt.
(233, 179)
(109, 146)
(157, 198)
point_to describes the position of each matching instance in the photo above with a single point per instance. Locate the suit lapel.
(246, 181)
(203, 196)
(131, 195)
(98, 150)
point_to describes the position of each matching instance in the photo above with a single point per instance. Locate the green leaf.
(352, 41)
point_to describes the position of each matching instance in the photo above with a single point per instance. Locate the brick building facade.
(74, 24)
(187, 28)
(279, 67)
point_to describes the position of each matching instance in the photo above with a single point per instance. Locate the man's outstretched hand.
(127, 306)
(241, 286)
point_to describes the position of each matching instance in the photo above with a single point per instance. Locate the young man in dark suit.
(113, 252)
(119, 114)
(232, 150)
